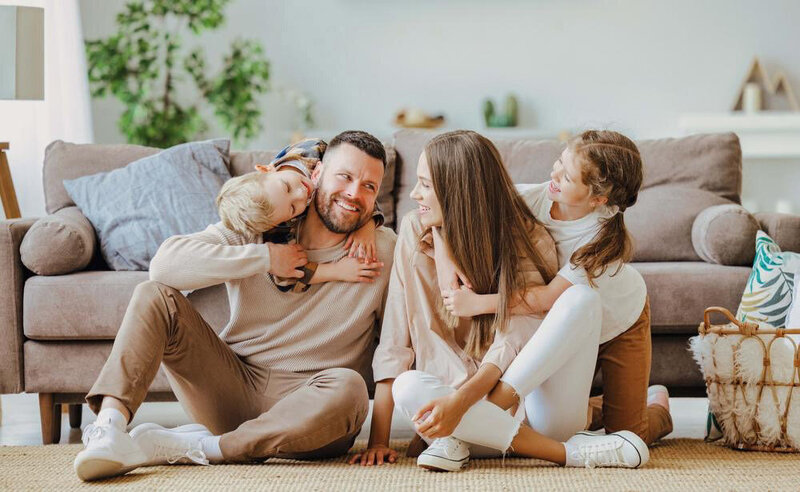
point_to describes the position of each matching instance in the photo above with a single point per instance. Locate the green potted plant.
(143, 64)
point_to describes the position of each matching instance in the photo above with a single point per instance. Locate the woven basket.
(752, 377)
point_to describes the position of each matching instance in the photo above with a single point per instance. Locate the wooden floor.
(20, 420)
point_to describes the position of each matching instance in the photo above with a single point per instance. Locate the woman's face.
(430, 211)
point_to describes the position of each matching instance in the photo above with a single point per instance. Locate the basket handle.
(746, 328)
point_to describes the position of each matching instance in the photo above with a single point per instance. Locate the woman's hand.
(444, 414)
(465, 303)
(450, 277)
(376, 454)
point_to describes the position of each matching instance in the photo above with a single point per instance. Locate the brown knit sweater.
(330, 325)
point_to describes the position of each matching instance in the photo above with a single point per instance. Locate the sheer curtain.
(65, 113)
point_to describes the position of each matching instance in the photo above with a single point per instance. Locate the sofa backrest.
(682, 177)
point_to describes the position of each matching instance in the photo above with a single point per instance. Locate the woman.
(472, 220)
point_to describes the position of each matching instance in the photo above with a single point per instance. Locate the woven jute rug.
(675, 464)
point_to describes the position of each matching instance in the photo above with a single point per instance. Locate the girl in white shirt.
(594, 181)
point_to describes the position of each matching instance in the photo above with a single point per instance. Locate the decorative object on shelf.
(7, 192)
(417, 118)
(509, 116)
(141, 66)
(758, 91)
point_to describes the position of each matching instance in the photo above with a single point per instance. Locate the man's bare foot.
(658, 395)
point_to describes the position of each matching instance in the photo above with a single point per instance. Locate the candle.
(751, 99)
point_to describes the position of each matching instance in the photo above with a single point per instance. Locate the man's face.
(347, 188)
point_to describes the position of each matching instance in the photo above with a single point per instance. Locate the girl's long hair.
(485, 224)
(612, 167)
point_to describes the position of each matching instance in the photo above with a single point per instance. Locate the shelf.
(765, 135)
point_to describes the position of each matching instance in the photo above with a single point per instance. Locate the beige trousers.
(625, 362)
(259, 412)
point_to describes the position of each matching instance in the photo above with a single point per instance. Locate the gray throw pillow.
(135, 208)
(725, 234)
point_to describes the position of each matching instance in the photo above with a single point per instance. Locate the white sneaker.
(182, 428)
(162, 446)
(108, 452)
(444, 454)
(622, 449)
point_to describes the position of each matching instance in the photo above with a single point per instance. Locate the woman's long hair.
(486, 224)
(612, 167)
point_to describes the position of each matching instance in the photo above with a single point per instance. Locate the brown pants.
(625, 362)
(259, 412)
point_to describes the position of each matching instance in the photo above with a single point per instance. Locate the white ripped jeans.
(552, 374)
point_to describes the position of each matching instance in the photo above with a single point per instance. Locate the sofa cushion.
(135, 208)
(63, 242)
(70, 367)
(725, 234)
(681, 291)
(768, 294)
(711, 162)
(91, 305)
(661, 222)
(64, 161)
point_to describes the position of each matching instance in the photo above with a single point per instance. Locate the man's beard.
(339, 223)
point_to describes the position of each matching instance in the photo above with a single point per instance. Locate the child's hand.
(361, 243)
(354, 270)
(463, 302)
(285, 259)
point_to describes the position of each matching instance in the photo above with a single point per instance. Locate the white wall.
(630, 65)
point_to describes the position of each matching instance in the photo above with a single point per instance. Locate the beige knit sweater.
(334, 324)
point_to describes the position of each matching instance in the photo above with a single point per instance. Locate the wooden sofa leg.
(75, 415)
(50, 415)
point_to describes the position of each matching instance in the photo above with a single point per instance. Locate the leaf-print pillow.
(768, 293)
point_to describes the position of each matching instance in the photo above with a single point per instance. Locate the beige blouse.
(413, 331)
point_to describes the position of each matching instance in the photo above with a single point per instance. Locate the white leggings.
(553, 372)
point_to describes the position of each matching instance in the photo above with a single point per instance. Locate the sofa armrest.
(784, 229)
(12, 279)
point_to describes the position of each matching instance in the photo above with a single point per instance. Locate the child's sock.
(113, 417)
(211, 449)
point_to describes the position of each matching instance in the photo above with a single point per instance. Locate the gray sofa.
(56, 330)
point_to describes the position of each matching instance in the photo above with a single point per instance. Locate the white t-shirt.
(622, 293)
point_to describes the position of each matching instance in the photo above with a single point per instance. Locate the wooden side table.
(7, 193)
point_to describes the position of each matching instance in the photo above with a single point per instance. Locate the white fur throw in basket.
(752, 377)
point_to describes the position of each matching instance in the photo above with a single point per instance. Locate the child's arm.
(536, 300)
(378, 450)
(347, 270)
(361, 243)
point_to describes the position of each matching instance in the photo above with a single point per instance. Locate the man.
(284, 378)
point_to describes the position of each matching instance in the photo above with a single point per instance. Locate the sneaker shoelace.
(447, 446)
(603, 454)
(174, 454)
(92, 432)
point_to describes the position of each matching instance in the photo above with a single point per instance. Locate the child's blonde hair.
(243, 205)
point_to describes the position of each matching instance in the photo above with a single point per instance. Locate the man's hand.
(376, 454)
(448, 274)
(285, 259)
(443, 416)
(464, 302)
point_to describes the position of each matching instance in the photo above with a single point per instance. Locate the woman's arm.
(378, 449)
(447, 412)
